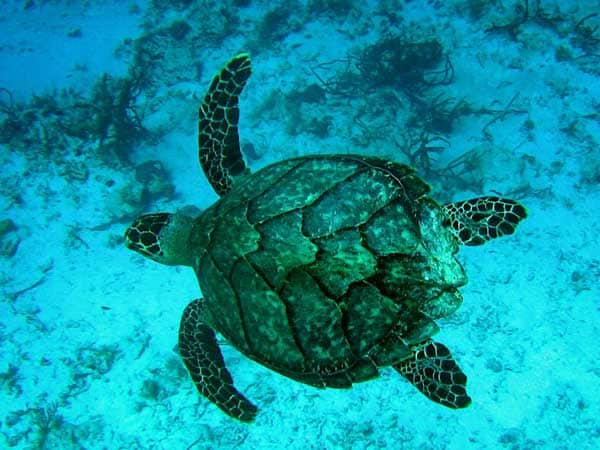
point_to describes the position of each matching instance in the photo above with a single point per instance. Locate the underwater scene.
(355, 224)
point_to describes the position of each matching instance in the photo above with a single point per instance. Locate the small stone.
(494, 365)
(576, 276)
(75, 33)
(511, 436)
(9, 245)
(151, 389)
(6, 226)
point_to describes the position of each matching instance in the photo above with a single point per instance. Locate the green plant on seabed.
(422, 153)
(11, 124)
(49, 124)
(397, 62)
(46, 420)
(523, 13)
(63, 122)
(392, 61)
(333, 9)
(438, 114)
(9, 380)
(587, 34)
(116, 122)
(275, 24)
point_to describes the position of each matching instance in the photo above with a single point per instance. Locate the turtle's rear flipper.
(478, 220)
(433, 372)
(202, 357)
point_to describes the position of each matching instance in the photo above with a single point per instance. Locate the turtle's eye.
(143, 235)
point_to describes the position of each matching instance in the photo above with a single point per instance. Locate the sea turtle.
(323, 268)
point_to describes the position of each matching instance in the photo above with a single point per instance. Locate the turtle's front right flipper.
(218, 140)
(478, 220)
(202, 357)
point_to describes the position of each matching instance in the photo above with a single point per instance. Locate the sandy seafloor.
(88, 329)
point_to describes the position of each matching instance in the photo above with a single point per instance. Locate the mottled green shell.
(325, 267)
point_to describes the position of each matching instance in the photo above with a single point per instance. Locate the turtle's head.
(162, 237)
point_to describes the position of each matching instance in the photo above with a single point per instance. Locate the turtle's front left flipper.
(202, 357)
(433, 371)
(478, 220)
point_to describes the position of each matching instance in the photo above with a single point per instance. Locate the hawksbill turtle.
(323, 268)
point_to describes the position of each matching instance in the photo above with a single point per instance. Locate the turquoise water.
(98, 111)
